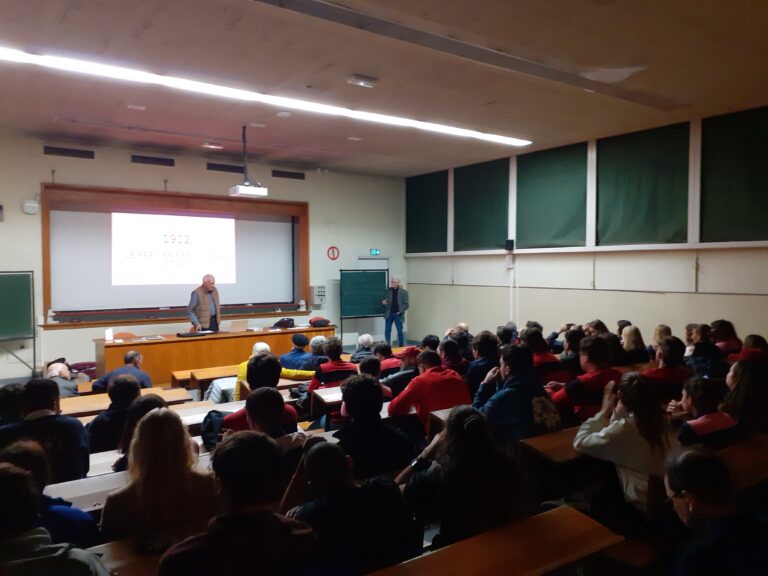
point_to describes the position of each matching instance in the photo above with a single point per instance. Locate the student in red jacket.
(584, 394)
(333, 372)
(669, 377)
(436, 388)
(389, 363)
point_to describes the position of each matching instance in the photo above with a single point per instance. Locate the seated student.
(535, 341)
(553, 343)
(485, 349)
(242, 368)
(659, 333)
(167, 499)
(375, 447)
(430, 342)
(335, 370)
(10, 403)
(617, 356)
(297, 357)
(63, 522)
(697, 416)
(265, 409)
(26, 547)
(620, 325)
(317, 349)
(139, 408)
(132, 361)
(464, 339)
(512, 407)
(635, 351)
(450, 356)
(362, 526)
(724, 337)
(631, 431)
(583, 395)
(408, 370)
(105, 431)
(64, 438)
(755, 348)
(371, 366)
(595, 328)
(248, 537)
(435, 388)
(688, 338)
(59, 373)
(669, 377)
(463, 480)
(389, 364)
(724, 540)
(506, 334)
(706, 358)
(263, 372)
(364, 343)
(747, 397)
(569, 359)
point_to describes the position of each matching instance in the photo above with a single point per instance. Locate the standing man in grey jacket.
(203, 308)
(394, 304)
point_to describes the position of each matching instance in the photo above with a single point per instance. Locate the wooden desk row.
(536, 545)
(95, 403)
(173, 353)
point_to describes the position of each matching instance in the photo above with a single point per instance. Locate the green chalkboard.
(362, 292)
(16, 306)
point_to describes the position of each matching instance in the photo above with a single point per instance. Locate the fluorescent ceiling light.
(212, 146)
(139, 76)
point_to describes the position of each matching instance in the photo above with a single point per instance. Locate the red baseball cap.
(410, 352)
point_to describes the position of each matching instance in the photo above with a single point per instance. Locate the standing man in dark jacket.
(394, 304)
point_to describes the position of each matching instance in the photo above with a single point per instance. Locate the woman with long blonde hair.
(167, 498)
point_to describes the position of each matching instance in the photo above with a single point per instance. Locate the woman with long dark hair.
(747, 398)
(463, 480)
(631, 430)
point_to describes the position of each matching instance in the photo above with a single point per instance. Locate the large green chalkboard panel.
(362, 292)
(426, 213)
(16, 306)
(552, 198)
(734, 177)
(642, 187)
(481, 205)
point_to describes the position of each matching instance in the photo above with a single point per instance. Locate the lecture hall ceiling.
(554, 72)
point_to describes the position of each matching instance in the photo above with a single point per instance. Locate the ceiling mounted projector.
(246, 188)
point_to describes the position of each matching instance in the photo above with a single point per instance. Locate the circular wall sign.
(333, 252)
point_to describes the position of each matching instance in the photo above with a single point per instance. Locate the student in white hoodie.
(631, 431)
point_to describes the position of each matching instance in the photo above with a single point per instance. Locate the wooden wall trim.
(72, 198)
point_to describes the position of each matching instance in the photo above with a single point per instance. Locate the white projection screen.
(107, 261)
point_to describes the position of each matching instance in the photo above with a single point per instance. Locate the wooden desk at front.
(161, 357)
(536, 545)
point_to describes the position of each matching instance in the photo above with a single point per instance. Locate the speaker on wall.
(509, 245)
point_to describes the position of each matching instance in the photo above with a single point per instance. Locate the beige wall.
(647, 288)
(353, 212)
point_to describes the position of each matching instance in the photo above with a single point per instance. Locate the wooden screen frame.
(98, 199)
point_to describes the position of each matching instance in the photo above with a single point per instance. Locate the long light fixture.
(139, 76)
